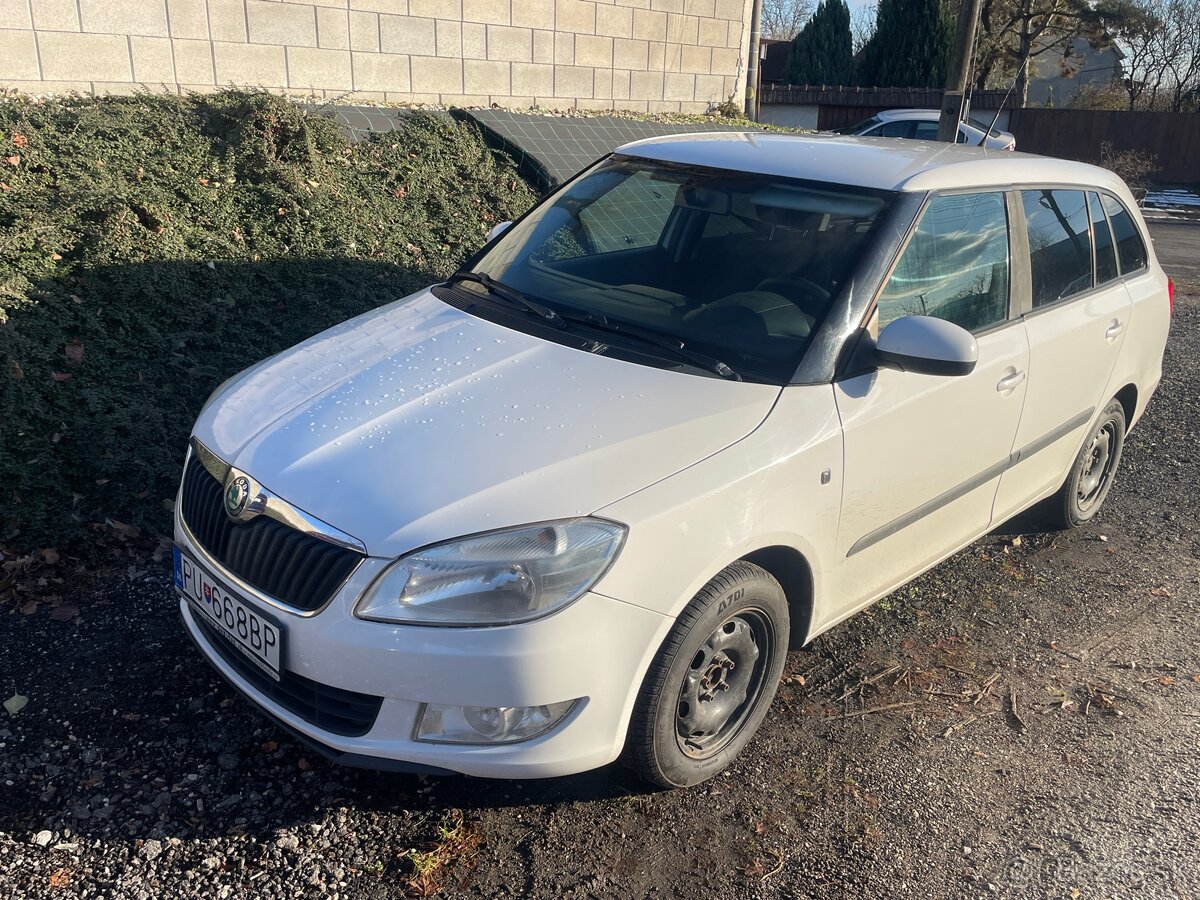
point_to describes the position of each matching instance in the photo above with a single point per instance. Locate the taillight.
(1171, 295)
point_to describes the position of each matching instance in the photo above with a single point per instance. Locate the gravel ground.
(1021, 722)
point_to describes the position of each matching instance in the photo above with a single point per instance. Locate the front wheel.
(1092, 473)
(712, 681)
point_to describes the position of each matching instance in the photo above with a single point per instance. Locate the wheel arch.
(1128, 397)
(791, 569)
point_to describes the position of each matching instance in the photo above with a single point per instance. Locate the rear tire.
(1092, 473)
(712, 681)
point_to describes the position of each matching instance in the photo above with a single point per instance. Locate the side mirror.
(498, 229)
(927, 346)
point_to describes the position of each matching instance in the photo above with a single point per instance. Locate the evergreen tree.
(910, 47)
(822, 52)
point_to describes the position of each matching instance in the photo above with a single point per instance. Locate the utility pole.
(960, 65)
(752, 62)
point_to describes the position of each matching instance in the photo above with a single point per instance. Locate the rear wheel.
(710, 686)
(1091, 477)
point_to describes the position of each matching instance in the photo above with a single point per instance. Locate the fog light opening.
(444, 723)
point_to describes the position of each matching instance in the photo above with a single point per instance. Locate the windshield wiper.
(674, 346)
(512, 295)
(598, 322)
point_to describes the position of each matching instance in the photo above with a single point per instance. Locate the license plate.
(250, 632)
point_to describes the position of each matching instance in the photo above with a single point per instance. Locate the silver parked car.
(922, 125)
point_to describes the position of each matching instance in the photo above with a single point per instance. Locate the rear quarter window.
(1130, 249)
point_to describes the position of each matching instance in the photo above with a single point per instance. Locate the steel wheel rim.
(723, 683)
(1097, 467)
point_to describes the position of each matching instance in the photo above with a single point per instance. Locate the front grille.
(331, 709)
(287, 565)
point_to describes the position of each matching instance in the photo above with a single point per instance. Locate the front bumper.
(597, 649)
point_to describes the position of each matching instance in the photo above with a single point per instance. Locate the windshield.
(859, 127)
(739, 267)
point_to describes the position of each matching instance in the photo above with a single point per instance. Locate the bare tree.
(1161, 43)
(783, 19)
(862, 25)
(1141, 38)
(1183, 40)
(1014, 32)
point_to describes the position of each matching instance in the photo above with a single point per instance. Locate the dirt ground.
(1023, 721)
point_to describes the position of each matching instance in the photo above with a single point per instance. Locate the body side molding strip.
(961, 490)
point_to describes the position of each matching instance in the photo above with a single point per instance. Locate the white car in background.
(702, 403)
(922, 125)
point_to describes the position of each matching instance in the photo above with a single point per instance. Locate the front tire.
(1092, 473)
(712, 681)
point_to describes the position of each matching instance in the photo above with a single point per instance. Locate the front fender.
(766, 490)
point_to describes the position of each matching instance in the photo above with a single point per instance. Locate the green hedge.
(151, 246)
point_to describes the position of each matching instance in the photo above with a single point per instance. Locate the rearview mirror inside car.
(927, 346)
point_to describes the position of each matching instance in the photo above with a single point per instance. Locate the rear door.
(924, 453)
(1076, 314)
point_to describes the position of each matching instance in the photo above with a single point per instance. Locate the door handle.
(1008, 382)
(1114, 330)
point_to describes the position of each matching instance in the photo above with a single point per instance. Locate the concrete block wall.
(644, 55)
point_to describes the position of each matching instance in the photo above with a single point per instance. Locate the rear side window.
(1106, 255)
(1130, 249)
(926, 131)
(900, 129)
(1060, 247)
(956, 265)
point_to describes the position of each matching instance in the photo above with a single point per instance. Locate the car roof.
(924, 115)
(893, 164)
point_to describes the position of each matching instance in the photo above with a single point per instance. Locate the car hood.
(417, 423)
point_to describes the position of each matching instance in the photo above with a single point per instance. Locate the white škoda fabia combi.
(705, 401)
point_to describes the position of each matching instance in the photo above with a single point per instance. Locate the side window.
(901, 129)
(1130, 249)
(963, 137)
(926, 131)
(1060, 248)
(955, 267)
(1106, 256)
(633, 214)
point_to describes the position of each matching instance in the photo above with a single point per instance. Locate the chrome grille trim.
(270, 504)
(304, 589)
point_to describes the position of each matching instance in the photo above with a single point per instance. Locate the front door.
(924, 453)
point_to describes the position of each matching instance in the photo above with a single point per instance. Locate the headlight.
(499, 578)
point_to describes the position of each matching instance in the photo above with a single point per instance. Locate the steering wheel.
(810, 297)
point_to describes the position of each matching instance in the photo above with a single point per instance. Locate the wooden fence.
(1173, 139)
